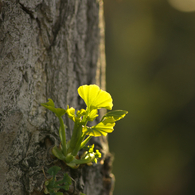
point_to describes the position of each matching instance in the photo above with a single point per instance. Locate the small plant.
(95, 98)
(52, 185)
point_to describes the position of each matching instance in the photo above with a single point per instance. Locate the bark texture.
(48, 48)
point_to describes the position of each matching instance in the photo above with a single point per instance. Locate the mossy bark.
(47, 50)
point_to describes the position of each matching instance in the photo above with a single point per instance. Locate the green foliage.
(52, 185)
(51, 106)
(102, 128)
(95, 98)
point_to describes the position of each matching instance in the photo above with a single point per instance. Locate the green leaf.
(58, 153)
(92, 115)
(102, 128)
(82, 194)
(52, 193)
(73, 165)
(53, 170)
(94, 97)
(66, 179)
(65, 187)
(116, 114)
(51, 106)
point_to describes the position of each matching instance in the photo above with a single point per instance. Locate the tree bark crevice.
(47, 50)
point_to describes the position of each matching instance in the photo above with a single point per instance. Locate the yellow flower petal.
(94, 97)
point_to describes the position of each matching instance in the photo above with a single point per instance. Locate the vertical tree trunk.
(48, 48)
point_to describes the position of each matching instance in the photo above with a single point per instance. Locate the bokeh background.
(150, 51)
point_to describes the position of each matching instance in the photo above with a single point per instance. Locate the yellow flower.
(94, 97)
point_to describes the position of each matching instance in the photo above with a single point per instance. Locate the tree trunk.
(47, 50)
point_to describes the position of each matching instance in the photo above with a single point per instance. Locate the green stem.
(78, 145)
(83, 161)
(63, 136)
(85, 142)
(77, 132)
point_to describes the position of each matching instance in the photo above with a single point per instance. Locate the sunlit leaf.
(51, 106)
(108, 119)
(94, 97)
(92, 115)
(116, 114)
(102, 128)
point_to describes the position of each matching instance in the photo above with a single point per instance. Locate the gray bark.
(47, 50)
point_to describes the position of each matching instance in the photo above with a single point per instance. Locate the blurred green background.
(150, 51)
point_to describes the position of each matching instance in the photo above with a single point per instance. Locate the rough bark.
(47, 50)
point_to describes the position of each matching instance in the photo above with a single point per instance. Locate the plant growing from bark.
(94, 98)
